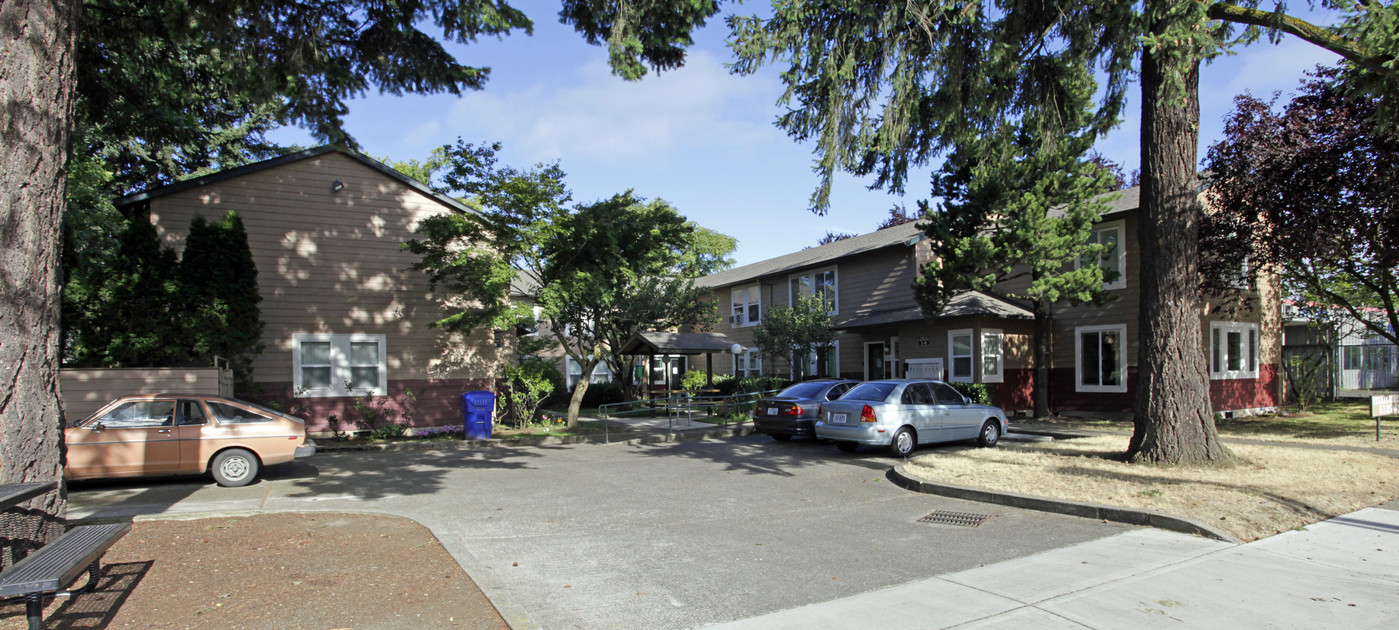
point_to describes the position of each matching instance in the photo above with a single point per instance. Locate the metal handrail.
(686, 403)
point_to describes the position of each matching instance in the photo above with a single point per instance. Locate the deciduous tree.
(1309, 189)
(794, 333)
(598, 272)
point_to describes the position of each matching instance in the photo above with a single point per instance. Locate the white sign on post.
(1384, 405)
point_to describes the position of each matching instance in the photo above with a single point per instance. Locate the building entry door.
(874, 361)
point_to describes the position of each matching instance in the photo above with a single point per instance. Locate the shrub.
(527, 386)
(978, 392)
(603, 394)
(695, 380)
(762, 384)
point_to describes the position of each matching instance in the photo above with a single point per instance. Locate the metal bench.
(43, 574)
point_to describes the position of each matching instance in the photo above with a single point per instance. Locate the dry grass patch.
(1271, 490)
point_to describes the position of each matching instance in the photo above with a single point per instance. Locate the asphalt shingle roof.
(887, 237)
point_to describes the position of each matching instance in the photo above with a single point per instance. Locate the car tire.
(847, 447)
(990, 434)
(781, 437)
(903, 443)
(234, 468)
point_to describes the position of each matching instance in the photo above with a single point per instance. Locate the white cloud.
(599, 117)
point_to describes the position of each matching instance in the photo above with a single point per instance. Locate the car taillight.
(794, 410)
(867, 414)
(758, 409)
(820, 410)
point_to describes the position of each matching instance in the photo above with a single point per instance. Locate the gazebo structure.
(668, 345)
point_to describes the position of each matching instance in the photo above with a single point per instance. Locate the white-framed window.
(747, 311)
(601, 374)
(748, 364)
(812, 365)
(1350, 357)
(959, 349)
(1378, 358)
(1233, 350)
(820, 282)
(325, 365)
(1114, 257)
(1101, 358)
(992, 356)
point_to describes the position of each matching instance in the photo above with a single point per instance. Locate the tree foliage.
(599, 272)
(122, 312)
(1309, 189)
(881, 86)
(219, 294)
(794, 333)
(1019, 207)
(142, 306)
(169, 88)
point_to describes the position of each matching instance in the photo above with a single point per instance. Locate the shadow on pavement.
(760, 454)
(373, 475)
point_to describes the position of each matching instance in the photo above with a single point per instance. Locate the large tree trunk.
(1043, 330)
(1174, 423)
(36, 85)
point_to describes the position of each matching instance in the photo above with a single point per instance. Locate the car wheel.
(847, 447)
(903, 443)
(234, 467)
(990, 434)
(781, 437)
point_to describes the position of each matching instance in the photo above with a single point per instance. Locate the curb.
(548, 440)
(1130, 516)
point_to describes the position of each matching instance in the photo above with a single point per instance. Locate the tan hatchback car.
(183, 434)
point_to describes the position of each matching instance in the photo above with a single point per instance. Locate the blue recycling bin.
(476, 410)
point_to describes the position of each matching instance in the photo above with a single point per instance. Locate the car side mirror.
(966, 401)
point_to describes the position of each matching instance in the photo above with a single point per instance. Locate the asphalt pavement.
(745, 532)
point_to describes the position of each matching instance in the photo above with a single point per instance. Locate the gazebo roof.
(676, 343)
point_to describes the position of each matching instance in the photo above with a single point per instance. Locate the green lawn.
(1325, 421)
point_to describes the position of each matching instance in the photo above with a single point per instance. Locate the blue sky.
(699, 137)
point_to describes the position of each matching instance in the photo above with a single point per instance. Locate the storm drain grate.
(961, 519)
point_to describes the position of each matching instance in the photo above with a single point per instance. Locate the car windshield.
(870, 391)
(804, 390)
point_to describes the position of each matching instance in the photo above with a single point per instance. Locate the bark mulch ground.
(315, 571)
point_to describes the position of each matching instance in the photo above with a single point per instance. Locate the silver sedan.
(900, 414)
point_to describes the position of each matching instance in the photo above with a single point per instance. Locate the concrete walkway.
(1340, 573)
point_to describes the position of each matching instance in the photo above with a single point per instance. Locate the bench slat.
(54, 565)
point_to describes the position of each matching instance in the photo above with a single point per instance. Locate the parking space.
(672, 535)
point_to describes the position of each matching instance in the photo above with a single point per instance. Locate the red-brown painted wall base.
(1246, 393)
(1062, 396)
(1016, 392)
(438, 403)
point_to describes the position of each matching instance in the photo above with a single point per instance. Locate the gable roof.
(677, 343)
(967, 304)
(155, 193)
(905, 234)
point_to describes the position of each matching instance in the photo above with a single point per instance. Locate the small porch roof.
(969, 304)
(677, 343)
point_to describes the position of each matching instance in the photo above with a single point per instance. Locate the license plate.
(838, 418)
(772, 411)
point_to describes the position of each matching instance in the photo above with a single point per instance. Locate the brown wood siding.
(1123, 307)
(330, 262)
(85, 390)
(876, 281)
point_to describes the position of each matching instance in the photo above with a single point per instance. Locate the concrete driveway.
(671, 535)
